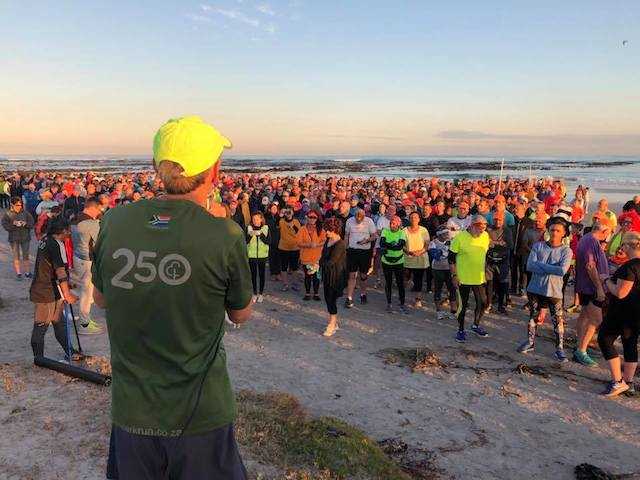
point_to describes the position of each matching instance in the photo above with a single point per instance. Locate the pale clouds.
(266, 9)
(463, 135)
(240, 14)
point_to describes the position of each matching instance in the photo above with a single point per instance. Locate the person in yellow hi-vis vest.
(258, 251)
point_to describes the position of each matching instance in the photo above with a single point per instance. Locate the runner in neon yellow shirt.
(467, 258)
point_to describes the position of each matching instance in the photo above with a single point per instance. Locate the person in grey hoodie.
(18, 222)
(548, 262)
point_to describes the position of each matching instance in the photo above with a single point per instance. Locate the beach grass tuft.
(278, 431)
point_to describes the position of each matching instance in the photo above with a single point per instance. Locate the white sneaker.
(260, 298)
(254, 298)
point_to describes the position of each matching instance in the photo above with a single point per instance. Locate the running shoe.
(583, 358)
(28, 275)
(404, 309)
(316, 297)
(573, 309)
(19, 277)
(487, 309)
(560, 356)
(526, 347)
(295, 287)
(363, 299)
(307, 297)
(91, 328)
(330, 330)
(348, 303)
(441, 315)
(615, 388)
(254, 298)
(461, 337)
(632, 392)
(260, 298)
(389, 308)
(479, 331)
(285, 288)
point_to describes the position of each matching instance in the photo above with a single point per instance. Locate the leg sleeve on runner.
(480, 296)
(630, 344)
(388, 281)
(606, 338)
(464, 302)
(60, 331)
(399, 274)
(37, 338)
(557, 317)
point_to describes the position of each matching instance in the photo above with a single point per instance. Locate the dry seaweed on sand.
(418, 359)
(11, 383)
(97, 363)
(586, 471)
(418, 463)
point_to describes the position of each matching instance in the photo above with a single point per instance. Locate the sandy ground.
(481, 419)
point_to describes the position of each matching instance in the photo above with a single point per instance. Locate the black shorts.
(586, 299)
(142, 457)
(358, 260)
(289, 260)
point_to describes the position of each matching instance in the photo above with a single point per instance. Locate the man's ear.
(215, 173)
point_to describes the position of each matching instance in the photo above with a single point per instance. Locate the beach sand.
(479, 417)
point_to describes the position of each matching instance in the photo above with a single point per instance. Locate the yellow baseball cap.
(191, 143)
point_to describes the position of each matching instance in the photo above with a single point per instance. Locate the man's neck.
(198, 196)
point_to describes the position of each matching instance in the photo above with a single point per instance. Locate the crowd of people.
(494, 239)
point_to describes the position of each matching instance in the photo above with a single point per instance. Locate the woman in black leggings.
(392, 244)
(333, 266)
(258, 250)
(623, 319)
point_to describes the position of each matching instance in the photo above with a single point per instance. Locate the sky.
(418, 77)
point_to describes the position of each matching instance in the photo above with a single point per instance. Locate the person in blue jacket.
(548, 262)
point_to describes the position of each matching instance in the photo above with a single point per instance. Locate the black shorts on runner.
(586, 299)
(141, 457)
(289, 260)
(358, 260)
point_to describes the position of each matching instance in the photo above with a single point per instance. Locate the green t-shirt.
(167, 270)
(471, 257)
(393, 257)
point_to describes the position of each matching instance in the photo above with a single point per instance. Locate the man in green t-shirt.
(166, 270)
(467, 258)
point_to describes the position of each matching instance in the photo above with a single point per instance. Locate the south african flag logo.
(160, 221)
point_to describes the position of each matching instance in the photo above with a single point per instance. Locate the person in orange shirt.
(311, 239)
(288, 248)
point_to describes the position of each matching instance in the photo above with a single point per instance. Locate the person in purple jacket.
(548, 262)
(592, 269)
